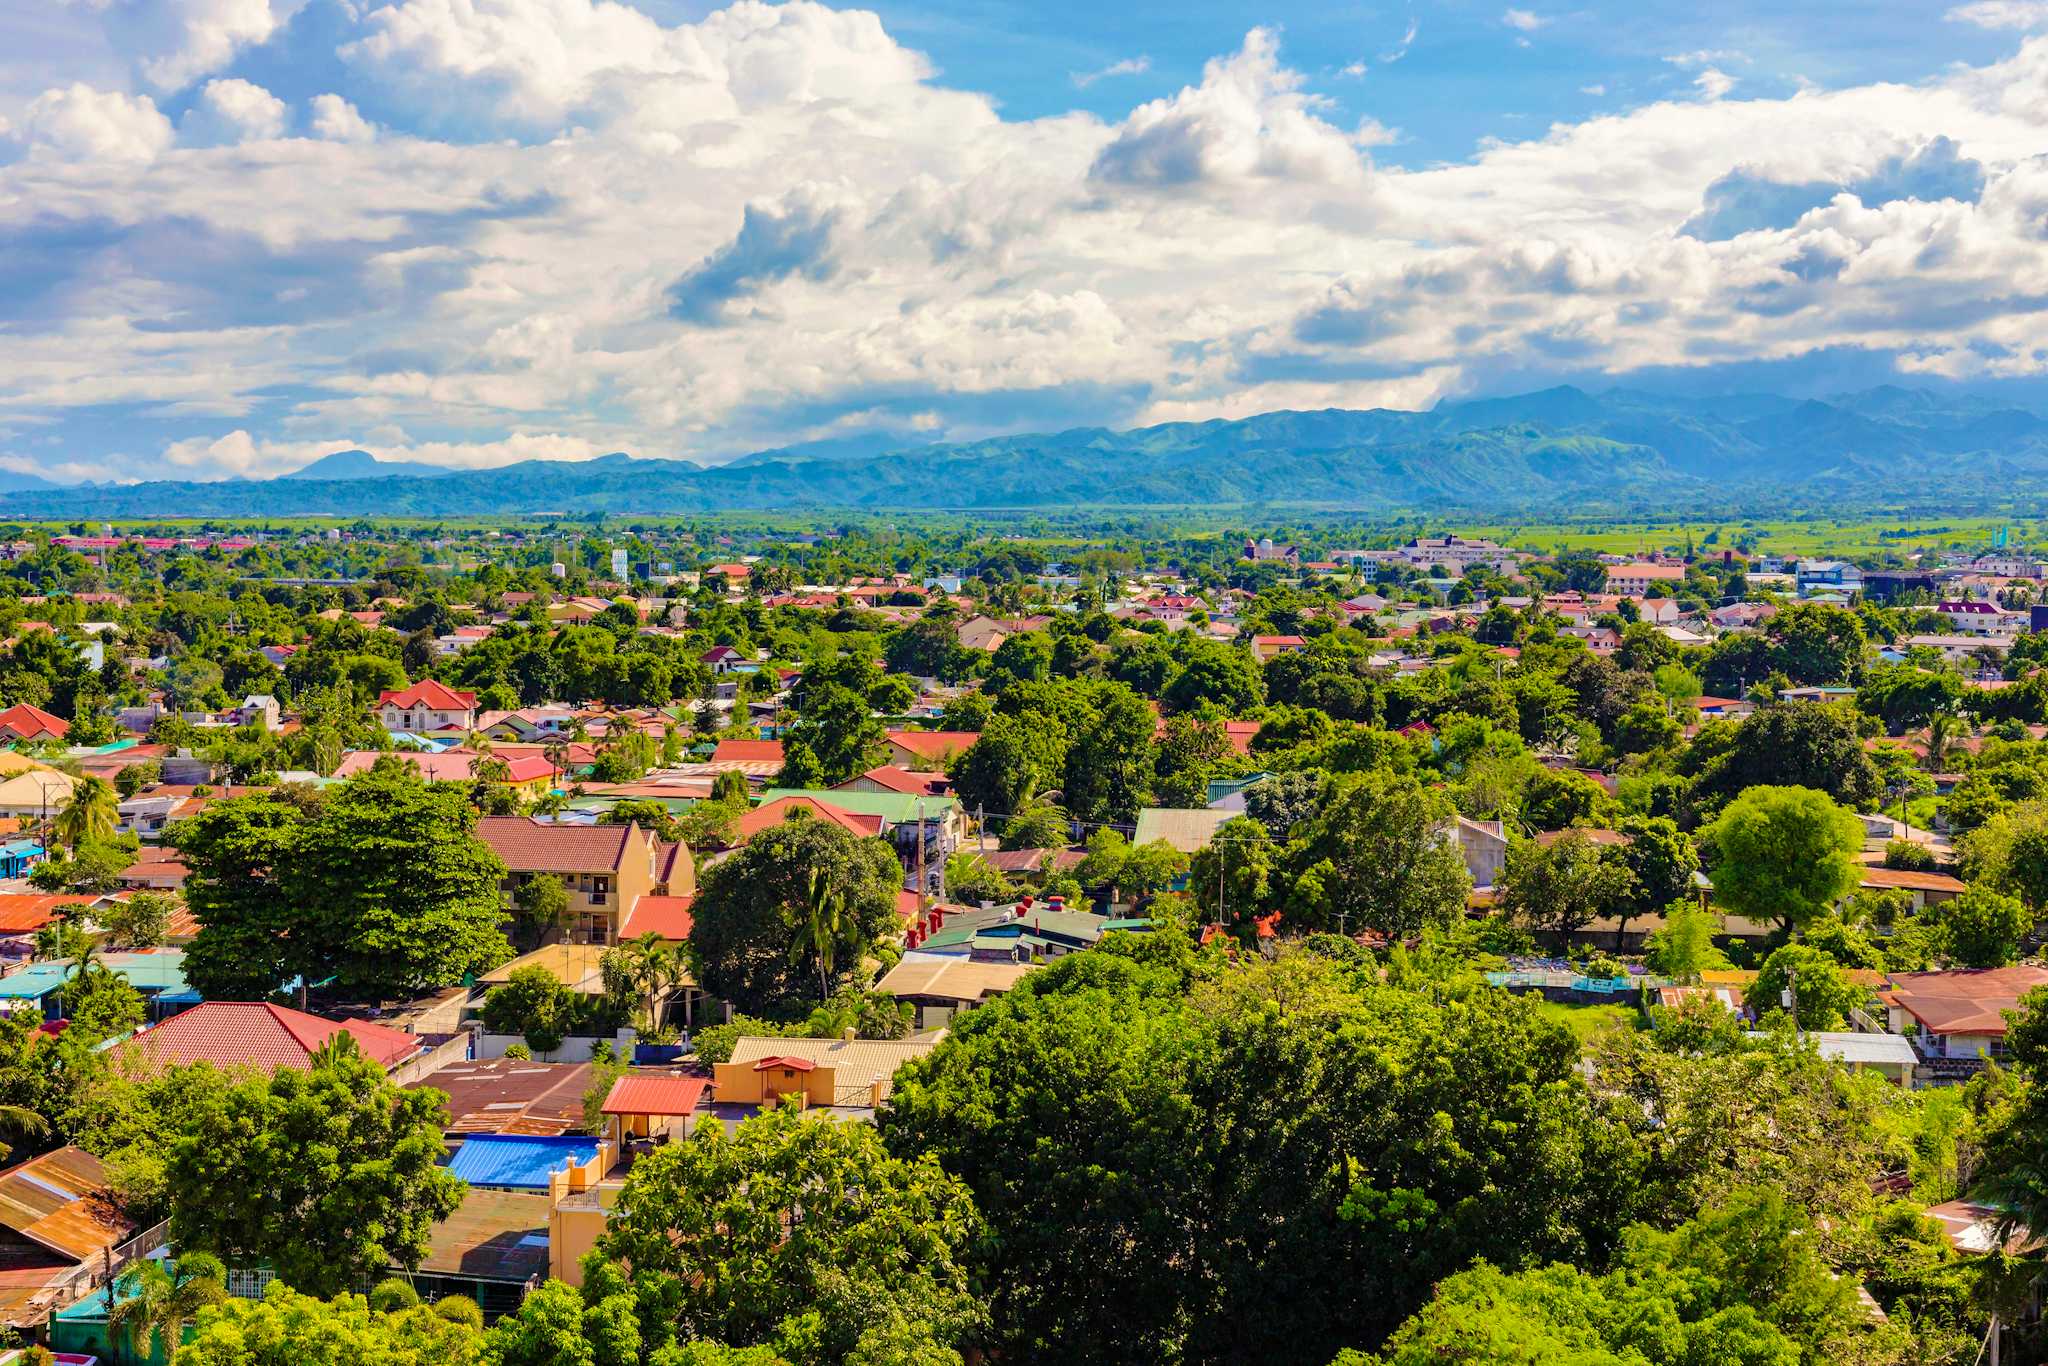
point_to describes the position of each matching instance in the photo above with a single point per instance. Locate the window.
(598, 887)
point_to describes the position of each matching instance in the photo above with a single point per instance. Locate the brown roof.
(60, 1201)
(494, 1236)
(510, 1096)
(770, 814)
(533, 846)
(933, 744)
(909, 781)
(1964, 1001)
(1908, 880)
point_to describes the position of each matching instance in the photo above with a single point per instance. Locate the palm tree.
(1942, 728)
(90, 815)
(645, 967)
(19, 1122)
(158, 1303)
(822, 930)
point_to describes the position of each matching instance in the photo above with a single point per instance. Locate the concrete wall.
(573, 1049)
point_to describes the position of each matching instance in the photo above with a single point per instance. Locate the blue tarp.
(518, 1161)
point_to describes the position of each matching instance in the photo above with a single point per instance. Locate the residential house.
(1926, 889)
(940, 986)
(58, 1219)
(504, 1096)
(1266, 647)
(1959, 1015)
(722, 659)
(1823, 575)
(528, 776)
(1636, 578)
(847, 1073)
(23, 721)
(1484, 847)
(262, 1035)
(606, 869)
(425, 707)
(35, 794)
(925, 750)
(1970, 617)
(1188, 829)
(902, 781)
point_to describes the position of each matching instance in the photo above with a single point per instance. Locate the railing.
(87, 1277)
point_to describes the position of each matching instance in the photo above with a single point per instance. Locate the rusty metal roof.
(510, 1096)
(495, 1236)
(60, 1201)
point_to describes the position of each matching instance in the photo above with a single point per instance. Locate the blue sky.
(238, 234)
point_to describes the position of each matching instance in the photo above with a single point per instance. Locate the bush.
(1911, 857)
(715, 1044)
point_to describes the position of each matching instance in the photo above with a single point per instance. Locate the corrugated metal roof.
(856, 1063)
(655, 1095)
(509, 1096)
(950, 979)
(494, 1236)
(60, 1201)
(519, 1161)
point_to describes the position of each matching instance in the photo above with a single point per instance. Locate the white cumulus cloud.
(232, 111)
(336, 120)
(80, 123)
(2001, 14)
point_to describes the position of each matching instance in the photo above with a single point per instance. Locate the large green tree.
(329, 1174)
(759, 914)
(1560, 886)
(825, 1247)
(1784, 854)
(1790, 744)
(1381, 854)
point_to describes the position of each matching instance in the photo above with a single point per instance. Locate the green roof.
(893, 807)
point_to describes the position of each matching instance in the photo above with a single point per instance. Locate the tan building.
(857, 1073)
(605, 868)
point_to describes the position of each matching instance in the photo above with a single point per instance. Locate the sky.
(236, 235)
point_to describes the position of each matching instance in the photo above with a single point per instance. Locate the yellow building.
(855, 1073)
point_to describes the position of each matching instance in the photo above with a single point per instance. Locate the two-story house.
(606, 869)
(426, 706)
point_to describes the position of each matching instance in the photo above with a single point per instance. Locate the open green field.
(1590, 1022)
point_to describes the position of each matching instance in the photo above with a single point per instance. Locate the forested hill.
(1557, 447)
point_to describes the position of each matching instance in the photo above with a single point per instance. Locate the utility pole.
(1791, 998)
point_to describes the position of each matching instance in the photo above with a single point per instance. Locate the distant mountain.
(1555, 450)
(10, 482)
(363, 465)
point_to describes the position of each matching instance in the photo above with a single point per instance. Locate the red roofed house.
(1240, 733)
(24, 722)
(752, 751)
(254, 1033)
(667, 916)
(528, 775)
(427, 706)
(907, 781)
(927, 749)
(720, 659)
(770, 814)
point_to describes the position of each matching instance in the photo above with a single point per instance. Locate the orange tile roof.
(428, 693)
(770, 814)
(748, 749)
(933, 744)
(667, 916)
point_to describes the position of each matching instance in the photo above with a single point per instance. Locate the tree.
(99, 1002)
(753, 912)
(1381, 854)
(835, 737)
(1684, 948)
(824, 1241)
(1561, 886)
(1237, 865)
(534, 1004)
(2009, 853)
(1817, 643)
(1824, 996)
(2013, 1172)
(540, 907)
(329, 1174)
(1784, 854)
(1213, 672)
(1285, 800)
(380, 884)
(288, 1328)
(1038, 824)
(91, 814)
(1983, 929)
(153, 1303)
(1661, 861)
(135, 777)
(972, 878)
(139, 921)
(1790, 744)
(644, 968)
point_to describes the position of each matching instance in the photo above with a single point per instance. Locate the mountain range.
(1559, 449)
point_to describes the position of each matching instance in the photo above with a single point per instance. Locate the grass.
(1589, 1022)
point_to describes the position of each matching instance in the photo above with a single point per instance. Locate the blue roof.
(519, 1161)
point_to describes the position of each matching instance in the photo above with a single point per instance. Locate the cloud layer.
(553, 228)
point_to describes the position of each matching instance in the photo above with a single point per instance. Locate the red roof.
(748, 749)
(908, 781)
(21, 913)
(26, 722)
(788, 1064)
(430, 694)
(933, 744)
(655, 1095)
(448, 766)
(234, 1033)
(667, 916)
(771, 814)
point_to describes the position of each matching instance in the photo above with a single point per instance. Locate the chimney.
(847, 1035)
(875, 1093)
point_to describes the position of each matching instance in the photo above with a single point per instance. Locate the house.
(925, 750)
(1188, 829)
(940, 986)
(1712, 707)
(903, 781)
(1638, 577)
(529, 776)
(773, 811)
(1823, 575)
(1266, 647)
(606, 869)
(57, 1215)
(1484, 847)
(33, 795)
(262, 1035)
(1959, 1015)
(846, 1072)
(426, 706)
(1970, 617)
(506, 1096)
(25, 722)
(1926, 889)
(721, 659)
(750, 751)
(902, 816)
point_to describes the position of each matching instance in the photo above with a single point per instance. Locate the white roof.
(1854, 1047)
